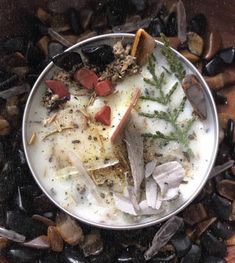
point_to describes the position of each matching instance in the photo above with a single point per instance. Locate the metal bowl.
(196, 184)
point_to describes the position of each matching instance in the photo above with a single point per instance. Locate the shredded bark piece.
(124, 64)
(32, 139)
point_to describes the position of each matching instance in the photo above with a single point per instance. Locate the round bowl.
(32, 109)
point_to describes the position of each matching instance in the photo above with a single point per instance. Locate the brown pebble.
(173, 41)
(191, 57)
(223, 119)
(232, 216)
(43, 15)
(226, 188)
(20, 71)
(214, 45)
(231, 241)
(4, 126)
(3, 260)
(46, 221)
(195, 94)
(43, 45)
(204, 225)
(221, 80)
(69, 230)
(230, 257)
(55, 239)
(233, 170)
(195, 43)
(12, 106)
(194, 214)
(4, 242)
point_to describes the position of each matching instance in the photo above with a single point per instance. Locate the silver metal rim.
(139, 225)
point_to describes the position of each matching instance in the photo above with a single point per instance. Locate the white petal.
(149, 168)
(151, 191)
(124, 204)
(170, 194)
(135, 148)
(146, 210)
(168, 175)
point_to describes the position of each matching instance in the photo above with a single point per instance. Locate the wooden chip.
(46, 221)
(143, 46)
(126, 115)
(32, 139)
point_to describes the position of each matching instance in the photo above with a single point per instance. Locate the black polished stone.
(24, 225)
(229, 131)
(73, 255)
(14, 44)
(221, 206)
(74, 21)
(68, 60)
(227, 55)
(198, 24)
(24, 255)
(193, 256)
(7, 181)
(232, 151)
(54, 48)
(213, 260)
(181, 243)
(99, 55)
(212, 246)
(164, 257)
(131, 254)
(214, 66)
(219, 98)
(156, 27)
(117, 11)
(171, 25)
(222, 230)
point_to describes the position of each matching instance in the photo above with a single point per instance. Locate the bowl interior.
(34, 110)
